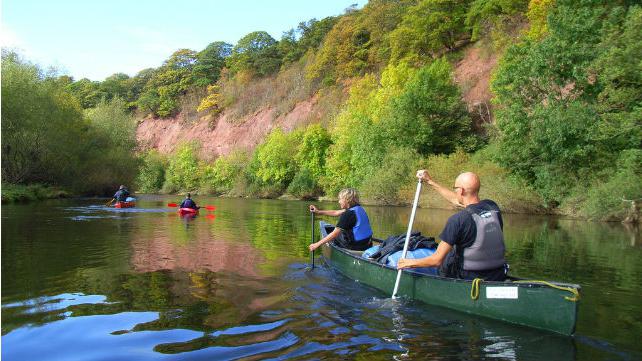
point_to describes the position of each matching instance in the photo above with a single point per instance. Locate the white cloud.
(9, 39)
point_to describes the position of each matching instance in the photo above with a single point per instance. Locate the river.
(81, 281)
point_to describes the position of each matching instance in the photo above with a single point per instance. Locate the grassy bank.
(25, 193)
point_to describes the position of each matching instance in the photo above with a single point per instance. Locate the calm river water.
(84, 282)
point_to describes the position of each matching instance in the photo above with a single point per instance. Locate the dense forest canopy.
(565, 133)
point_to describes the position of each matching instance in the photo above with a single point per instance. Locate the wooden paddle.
(405, 245)
(312, 241)
(110, 202)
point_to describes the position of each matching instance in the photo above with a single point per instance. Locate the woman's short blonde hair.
(350, 195)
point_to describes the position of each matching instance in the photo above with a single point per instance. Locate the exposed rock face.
(472, 74)
(220, 135)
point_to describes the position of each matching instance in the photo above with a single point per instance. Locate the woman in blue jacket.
(353, 228)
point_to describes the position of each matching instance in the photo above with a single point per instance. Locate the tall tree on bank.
(209, 63)
(168, 82)
(256, 53)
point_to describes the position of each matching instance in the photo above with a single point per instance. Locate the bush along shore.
(16, 193)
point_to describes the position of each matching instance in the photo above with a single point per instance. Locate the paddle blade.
(210, 208)
(172, 205)
(210, 216)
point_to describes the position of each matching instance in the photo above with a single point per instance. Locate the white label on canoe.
(501, 292)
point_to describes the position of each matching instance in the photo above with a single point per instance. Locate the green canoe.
(548, 306)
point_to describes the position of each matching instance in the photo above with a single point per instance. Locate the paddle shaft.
(312, 241)
(405, 245)
(208, 207)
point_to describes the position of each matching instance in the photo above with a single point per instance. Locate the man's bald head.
(469, 181)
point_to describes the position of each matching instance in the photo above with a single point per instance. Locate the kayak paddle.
(208, 207)
(405, 245)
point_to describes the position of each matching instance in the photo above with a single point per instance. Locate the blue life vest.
(362, 230)
(188, 203)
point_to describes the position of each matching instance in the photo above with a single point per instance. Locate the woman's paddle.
(405, 245)
(312, 241)
(110, 202)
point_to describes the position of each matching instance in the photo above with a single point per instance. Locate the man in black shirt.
(472, 241)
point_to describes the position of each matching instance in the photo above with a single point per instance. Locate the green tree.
(136, 86)
(182, 173)
(275, 158)
(227, 171)
(151, 174)
(86, 91)
(42, 126)
(209, 63)
(359, 141)
(537, 14)
(352, 135)
(172, 80)
(108, 157)
(358, 42)
(116, 85)
(386, 183)
(308, 35)
(257, 53)
(428, 28)
(619, 72)
(429, 116)
(313, 149)
(310, 160)
(484, 14)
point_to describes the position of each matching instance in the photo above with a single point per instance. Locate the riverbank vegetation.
(562, 135)
(12, 193)
(47, 138)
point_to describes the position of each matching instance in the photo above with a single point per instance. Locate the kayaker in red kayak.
(189, 203)
(121, 195)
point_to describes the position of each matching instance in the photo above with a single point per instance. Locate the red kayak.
(187, 211)
(125, 204)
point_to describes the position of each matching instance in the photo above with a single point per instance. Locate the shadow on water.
(117, 285)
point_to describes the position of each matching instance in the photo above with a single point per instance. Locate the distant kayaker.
(353, 228)
(472, 241)
(121, 194)
(188, 202)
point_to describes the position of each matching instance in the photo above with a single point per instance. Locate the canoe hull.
(125, 204)
(528, 304)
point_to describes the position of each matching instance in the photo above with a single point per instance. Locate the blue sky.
(96, 38)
